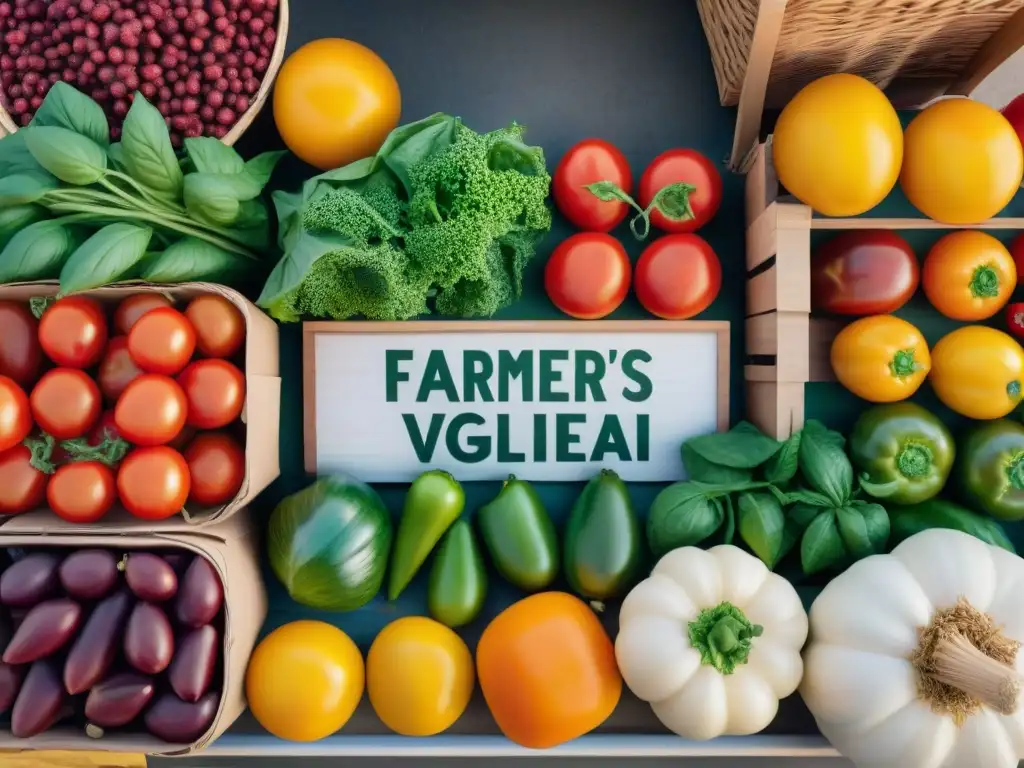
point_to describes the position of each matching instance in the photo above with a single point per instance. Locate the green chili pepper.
(520, 536)
(903, 452)
(434, 501)
(990, 469)
(458, 581)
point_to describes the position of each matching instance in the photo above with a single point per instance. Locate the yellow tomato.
(419, 675)
(978, 371)
(969, 275)
(335, 101)
(304, 680)
(838, 145)
(880, 358)
(962, 161)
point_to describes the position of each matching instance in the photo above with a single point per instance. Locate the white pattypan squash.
(914, 659)
(712, 640)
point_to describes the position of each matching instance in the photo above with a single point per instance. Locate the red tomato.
(15, 414)
(1015, 319)
(162, 341)
(73, 332)
(588, 275)
(183, 438)
(153, 483)
(20, 355)
(687, 211)
(105, 429)
(117, 369)
(81, 492)
(22, 486)
(216, 393)
(1014, 112)
(134, 307)
(216, 464)
(588, 162)
(65, 403)
(219, 325)
(866, 272)
(678, 276)
(151, 411)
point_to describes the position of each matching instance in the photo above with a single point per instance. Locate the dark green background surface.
(636, 74)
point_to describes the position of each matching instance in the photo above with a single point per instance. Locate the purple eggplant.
(148, 640)
(179, 722)
(30, 580)
(200, 596)
(179, 561)
(40, 701)
(118, 700)
(46, 628)
(150, 577)
(191, 670)
(89, 574)
(10, 682)
(96, 646)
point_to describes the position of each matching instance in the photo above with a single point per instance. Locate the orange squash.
(547, 670)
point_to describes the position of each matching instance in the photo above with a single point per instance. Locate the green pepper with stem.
(990, 469)
(903, 452)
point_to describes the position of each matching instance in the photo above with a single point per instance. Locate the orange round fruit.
(547, 670)
(335, 101)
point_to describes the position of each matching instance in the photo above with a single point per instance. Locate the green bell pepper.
(990, 469)
(904, 453)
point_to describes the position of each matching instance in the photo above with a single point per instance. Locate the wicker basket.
(7, 124)
(764, 51)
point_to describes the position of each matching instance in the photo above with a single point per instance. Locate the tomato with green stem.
(587, 183)
(968, 275)
(681, 190)
(678, 277)
(588, 275)
(65, 403)
(73, 331)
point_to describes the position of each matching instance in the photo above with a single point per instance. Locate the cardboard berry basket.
(231, 547)
(258, 361)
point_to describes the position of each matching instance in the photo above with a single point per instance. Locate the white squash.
(893, 673)
(712, 640)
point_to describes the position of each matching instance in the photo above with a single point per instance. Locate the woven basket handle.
(755, 83)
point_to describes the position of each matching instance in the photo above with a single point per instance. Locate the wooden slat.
(1002, 45)
(776, 409)
(761, 238)
(784, 335)
(868, 222)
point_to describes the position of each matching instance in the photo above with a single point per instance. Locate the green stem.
(914, 460)
(173, 223)
(152, 197)
(903, 364)
(723, 636)
(41, 450)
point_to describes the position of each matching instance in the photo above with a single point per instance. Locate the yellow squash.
(978, 371)
(880, 358)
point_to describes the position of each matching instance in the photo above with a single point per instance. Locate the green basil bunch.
(77, 207)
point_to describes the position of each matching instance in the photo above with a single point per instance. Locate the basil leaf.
(14, 218)
(742, 447)
(782, 467)
(876, 523)
(193, 259)
(107, 256)
(15, 157)
(209, 155)
(762, 523)
(821, 545)
(209, 198)
(730, 520)
(854, 532)
(820, 431)
(71, 157)
(38, 251)
(682, 515)
(67, 107)
(261, 167)
(825, 466)
(809, 498)
(802, 515)
(251, 227)
(148, 154)
(22, 188)
(699, 468)
(115, 154)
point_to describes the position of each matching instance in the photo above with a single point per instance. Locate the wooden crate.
(786, 346)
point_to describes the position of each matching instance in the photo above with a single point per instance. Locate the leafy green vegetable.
(762, 524)
(147, 151)
(15, 157)
(208, 197)
(38, 251)
(261, 167)
(210, 155)
(822, 544)
(825, 465)
(742, 447)
(16, 217)
(782, 466)
(71, 157)
(864, 528)
(439, 210)
(66, 107)
(28, 187)
(106, 256)
(193, 259)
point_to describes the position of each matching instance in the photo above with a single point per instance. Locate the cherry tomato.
(134, 307)
(183, 438)
(81, 492)
(15, 414)
(216, 464)
(216, 393)
(151, 411)
(678, 276)
(153, 482)
(73, 332)
(1015, 319)
(968, 275)
(588, 275)
(65, 403)
(219, 325)
(588, 162)
(20, 355)
(866, 272)
(22, 486)
(117, 369)
(105, 429)
(687, 211)
(162, 341)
